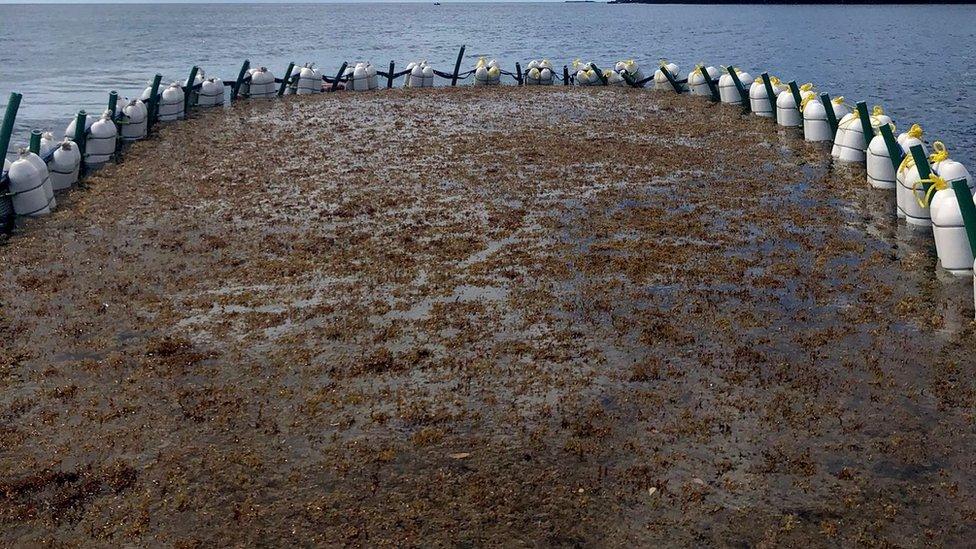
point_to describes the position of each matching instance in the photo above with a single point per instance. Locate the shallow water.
(66, 57)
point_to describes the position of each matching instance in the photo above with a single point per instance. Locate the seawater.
(916, 61)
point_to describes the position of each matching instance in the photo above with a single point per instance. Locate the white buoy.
(41, 168)
(135, 118)
(309, 80)
(359, 78)
(487, 73)
(631, 68)
(696, 81)
(211, 93)
(27, 186)
(64, 165)
(816, 127)
(613, 78)
(787, 111)
(661, 81)
(758, 98)
(171, 104)
(539, 73)
(849, 143)
(262, 84)
(948, 228)
(880, 172)
(48, 144)
(372, 80)
(428, 76)
(727, 91)
(100, 145)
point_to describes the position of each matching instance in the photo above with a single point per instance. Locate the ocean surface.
(916, 61)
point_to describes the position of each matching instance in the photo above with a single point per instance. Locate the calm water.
(917, 61)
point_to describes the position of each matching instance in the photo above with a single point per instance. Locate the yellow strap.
(806, 87)
(940, 154)
(877, 111)
(906, 163)
(915, 131)
(938, 184)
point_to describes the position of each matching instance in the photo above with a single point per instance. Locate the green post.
(284, 81)
(153, 107)
(7, 129)
(743, 92)
(565, 75)
(518, 73)
(35, 141)
(894, 149)
(795, 90)
(335, 82)
(968, 210)
(389, 79)
(457, 66)
(708, 80)
(113, 101)
(599, 73)
(770, 96)
(862, 113)
(240, 79)
(79, 137)
(188, 90)
(829, 110)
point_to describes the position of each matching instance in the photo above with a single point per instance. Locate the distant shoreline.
(777, 2)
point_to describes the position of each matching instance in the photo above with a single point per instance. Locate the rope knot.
(940, 154)
(915, 131)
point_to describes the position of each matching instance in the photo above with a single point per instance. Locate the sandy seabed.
(512, 316)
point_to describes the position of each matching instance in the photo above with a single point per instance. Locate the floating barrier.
(934, 190)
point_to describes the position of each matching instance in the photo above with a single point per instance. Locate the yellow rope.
(937, 184)
(915, 131)
(940, 154)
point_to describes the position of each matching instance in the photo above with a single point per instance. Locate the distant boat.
(437, 3)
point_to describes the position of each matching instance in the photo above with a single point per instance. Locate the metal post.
(240, 79)
(743, 92)
(113, 101)
(968, 210)
(565, 75)
(711, 85)
(188, 90)
(79, 137)
(922, 164)
(457, 66)
(831, 115)
(153, 107)
(284, 81)
(35, 141)
(674, 83)
(518, 73)
(862, 113)
(342, 70)
(894, 149)
(770, 96)
(389, 79)
(599, 73)
(7, 129)
(795, 90)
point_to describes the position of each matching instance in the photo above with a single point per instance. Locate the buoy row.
(926, 194)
